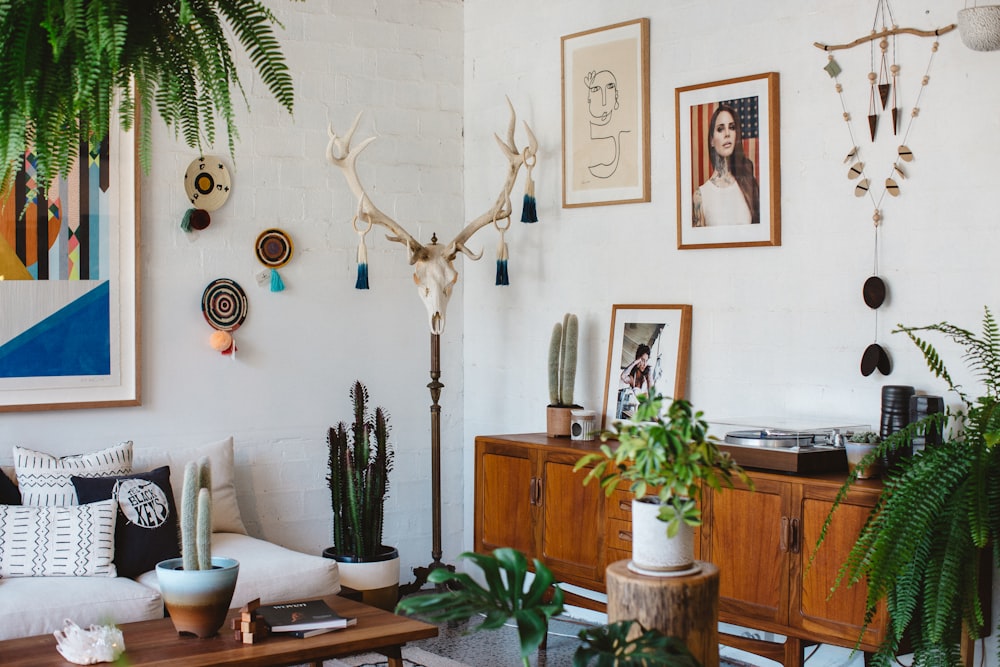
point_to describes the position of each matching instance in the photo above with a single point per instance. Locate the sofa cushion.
(75, 540)
(39, 605)
(9, 493)
(45, 479)
(269, 571)
(146, 532)
(225, 511)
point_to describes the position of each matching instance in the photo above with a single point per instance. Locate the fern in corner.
(921, 548)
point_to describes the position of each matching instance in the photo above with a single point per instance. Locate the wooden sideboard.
(528, 497)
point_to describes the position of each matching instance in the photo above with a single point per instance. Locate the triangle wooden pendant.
(895, 119)
(883, 92)
(872, 124)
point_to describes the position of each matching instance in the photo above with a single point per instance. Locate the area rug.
(412, 657)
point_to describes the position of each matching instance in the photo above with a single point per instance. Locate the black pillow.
(146, 532)
(9, 493)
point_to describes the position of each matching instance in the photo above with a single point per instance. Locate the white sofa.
(39, 604)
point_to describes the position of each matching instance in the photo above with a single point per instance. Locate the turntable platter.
(771, 439)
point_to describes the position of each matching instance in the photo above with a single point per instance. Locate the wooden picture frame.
(710, 213)
(605, 115)
(666, 331)
(69, 337)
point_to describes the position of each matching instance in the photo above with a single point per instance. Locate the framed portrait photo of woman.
(605, 106)
(648, 351)
(728, 163)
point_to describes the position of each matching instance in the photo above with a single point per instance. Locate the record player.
(783, 445)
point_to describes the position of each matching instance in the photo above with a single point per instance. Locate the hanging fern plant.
(70, 67)
(920, 550)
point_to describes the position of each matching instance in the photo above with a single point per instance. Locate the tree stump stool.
(681, 606)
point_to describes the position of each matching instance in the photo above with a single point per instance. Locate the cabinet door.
(572, 526)
(505, 496)
(838, 617)
(745, 536)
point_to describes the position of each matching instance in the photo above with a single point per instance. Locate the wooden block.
(250, 626)
(238, 635)
(251, 606)
(248, 638)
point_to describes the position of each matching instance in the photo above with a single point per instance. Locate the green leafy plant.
(508, 595)
(668, 454)
(70, 66)
(865, 437)
(562, 361)
(196, 516)
(920, 548)
(360, 460)
(504, 598)
(610, 646)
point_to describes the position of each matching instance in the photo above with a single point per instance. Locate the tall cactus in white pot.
(197, 588)
(562, 375)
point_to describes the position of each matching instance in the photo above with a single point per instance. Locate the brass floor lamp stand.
(435, 386)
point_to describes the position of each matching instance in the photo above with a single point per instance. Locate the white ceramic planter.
(652, 551)
(377, 579)
(980, 27)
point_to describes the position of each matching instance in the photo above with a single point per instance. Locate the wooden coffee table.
(157, 643)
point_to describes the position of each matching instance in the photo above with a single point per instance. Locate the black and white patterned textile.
(46, 480)
(69, 541)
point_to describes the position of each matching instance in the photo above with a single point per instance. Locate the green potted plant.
(666, 455)
(939, 511)
(197, 588)
(70, 67)
(509, 594)
(562, 376)
(360, 460)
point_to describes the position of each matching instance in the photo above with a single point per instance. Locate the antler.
(338, 151)
(502, 207)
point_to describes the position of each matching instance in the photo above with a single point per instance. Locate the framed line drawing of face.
(728, 174)
(648, 351)
(605, 105)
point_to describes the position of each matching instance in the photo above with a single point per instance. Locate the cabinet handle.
(625, 506)
(533, 484)
(625, 535)
(794, 535)
(538, 491)
(783, 544)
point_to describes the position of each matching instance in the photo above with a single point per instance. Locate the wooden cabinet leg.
(793, 652)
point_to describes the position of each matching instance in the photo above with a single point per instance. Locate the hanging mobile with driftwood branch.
(883, 86)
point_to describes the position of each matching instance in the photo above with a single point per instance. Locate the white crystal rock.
(98, 643)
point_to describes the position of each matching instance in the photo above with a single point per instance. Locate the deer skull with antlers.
(433, 264)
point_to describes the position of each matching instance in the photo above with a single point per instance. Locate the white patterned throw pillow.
(46, 480)
(70, 541)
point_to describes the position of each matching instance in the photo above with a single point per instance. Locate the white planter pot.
(652, 551)
(980, 27)
(377, 579)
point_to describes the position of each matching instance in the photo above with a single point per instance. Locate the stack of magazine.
(302, 619)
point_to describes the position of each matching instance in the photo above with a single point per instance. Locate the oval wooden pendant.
(905, 154)
(861, 188)
(892, 187)
(852, 155)
(855, 170)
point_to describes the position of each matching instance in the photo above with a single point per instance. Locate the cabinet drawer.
(619, 505)
(619, 535)
(615, 555)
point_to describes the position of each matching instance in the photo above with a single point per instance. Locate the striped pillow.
(73, 541)
(46, 480)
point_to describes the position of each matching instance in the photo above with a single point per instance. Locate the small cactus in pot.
(197, 589)
(562, 375)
